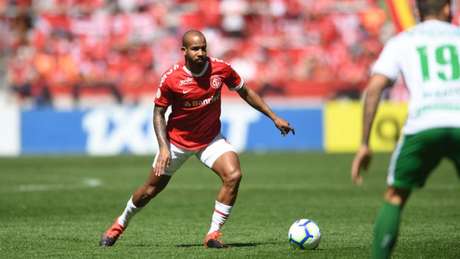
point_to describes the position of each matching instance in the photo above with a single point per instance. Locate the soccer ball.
(304, 234)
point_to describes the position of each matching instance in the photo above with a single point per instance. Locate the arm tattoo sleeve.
(159, 125)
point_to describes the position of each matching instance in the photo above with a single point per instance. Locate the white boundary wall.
(10, 130)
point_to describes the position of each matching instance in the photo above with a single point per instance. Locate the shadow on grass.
(230, 245)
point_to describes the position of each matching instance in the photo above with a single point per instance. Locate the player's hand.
(284, 126)
(361, 161)
(163, 160)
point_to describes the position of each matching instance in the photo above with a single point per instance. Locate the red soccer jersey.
(195, 101)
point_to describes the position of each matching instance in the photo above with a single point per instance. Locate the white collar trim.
(205, 68)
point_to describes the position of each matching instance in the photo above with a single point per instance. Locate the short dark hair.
(431, 7)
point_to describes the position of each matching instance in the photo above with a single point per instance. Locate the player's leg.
(151, 188)
(456, 161)
(454, 148)
(387, 222)
(413, 159)
(221, 157)
(227, 167)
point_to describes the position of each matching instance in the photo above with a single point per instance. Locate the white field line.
(94, 183)
(85, 183)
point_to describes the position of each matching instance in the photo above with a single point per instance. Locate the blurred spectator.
(233, 17)
(20, 75)
(58, 48)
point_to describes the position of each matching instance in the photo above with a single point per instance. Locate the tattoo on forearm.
(159, 125)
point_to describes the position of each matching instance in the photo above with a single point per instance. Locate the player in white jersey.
(428, 58)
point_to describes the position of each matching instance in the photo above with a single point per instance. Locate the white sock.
(220, 215)
(128, 213)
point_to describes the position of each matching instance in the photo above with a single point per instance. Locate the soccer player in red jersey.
(193, 91)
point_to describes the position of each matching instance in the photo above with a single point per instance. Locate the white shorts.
(207, 155)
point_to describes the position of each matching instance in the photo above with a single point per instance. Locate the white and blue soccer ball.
(304, 234)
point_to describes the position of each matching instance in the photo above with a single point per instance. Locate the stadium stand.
(76, 49)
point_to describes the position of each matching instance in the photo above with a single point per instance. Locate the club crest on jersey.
(216, 82)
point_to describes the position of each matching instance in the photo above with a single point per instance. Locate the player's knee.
(149, 191)
(397, 196)
(152, 190)
(233, 177)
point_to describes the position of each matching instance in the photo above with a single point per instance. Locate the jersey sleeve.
(387, 64)
(233, 79)
(163, 96)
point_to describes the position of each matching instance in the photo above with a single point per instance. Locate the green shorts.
(417, 155)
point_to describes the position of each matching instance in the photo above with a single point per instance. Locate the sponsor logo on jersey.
(216, 82)
(202, 102)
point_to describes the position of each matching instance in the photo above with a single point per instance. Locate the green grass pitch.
(57, 207)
